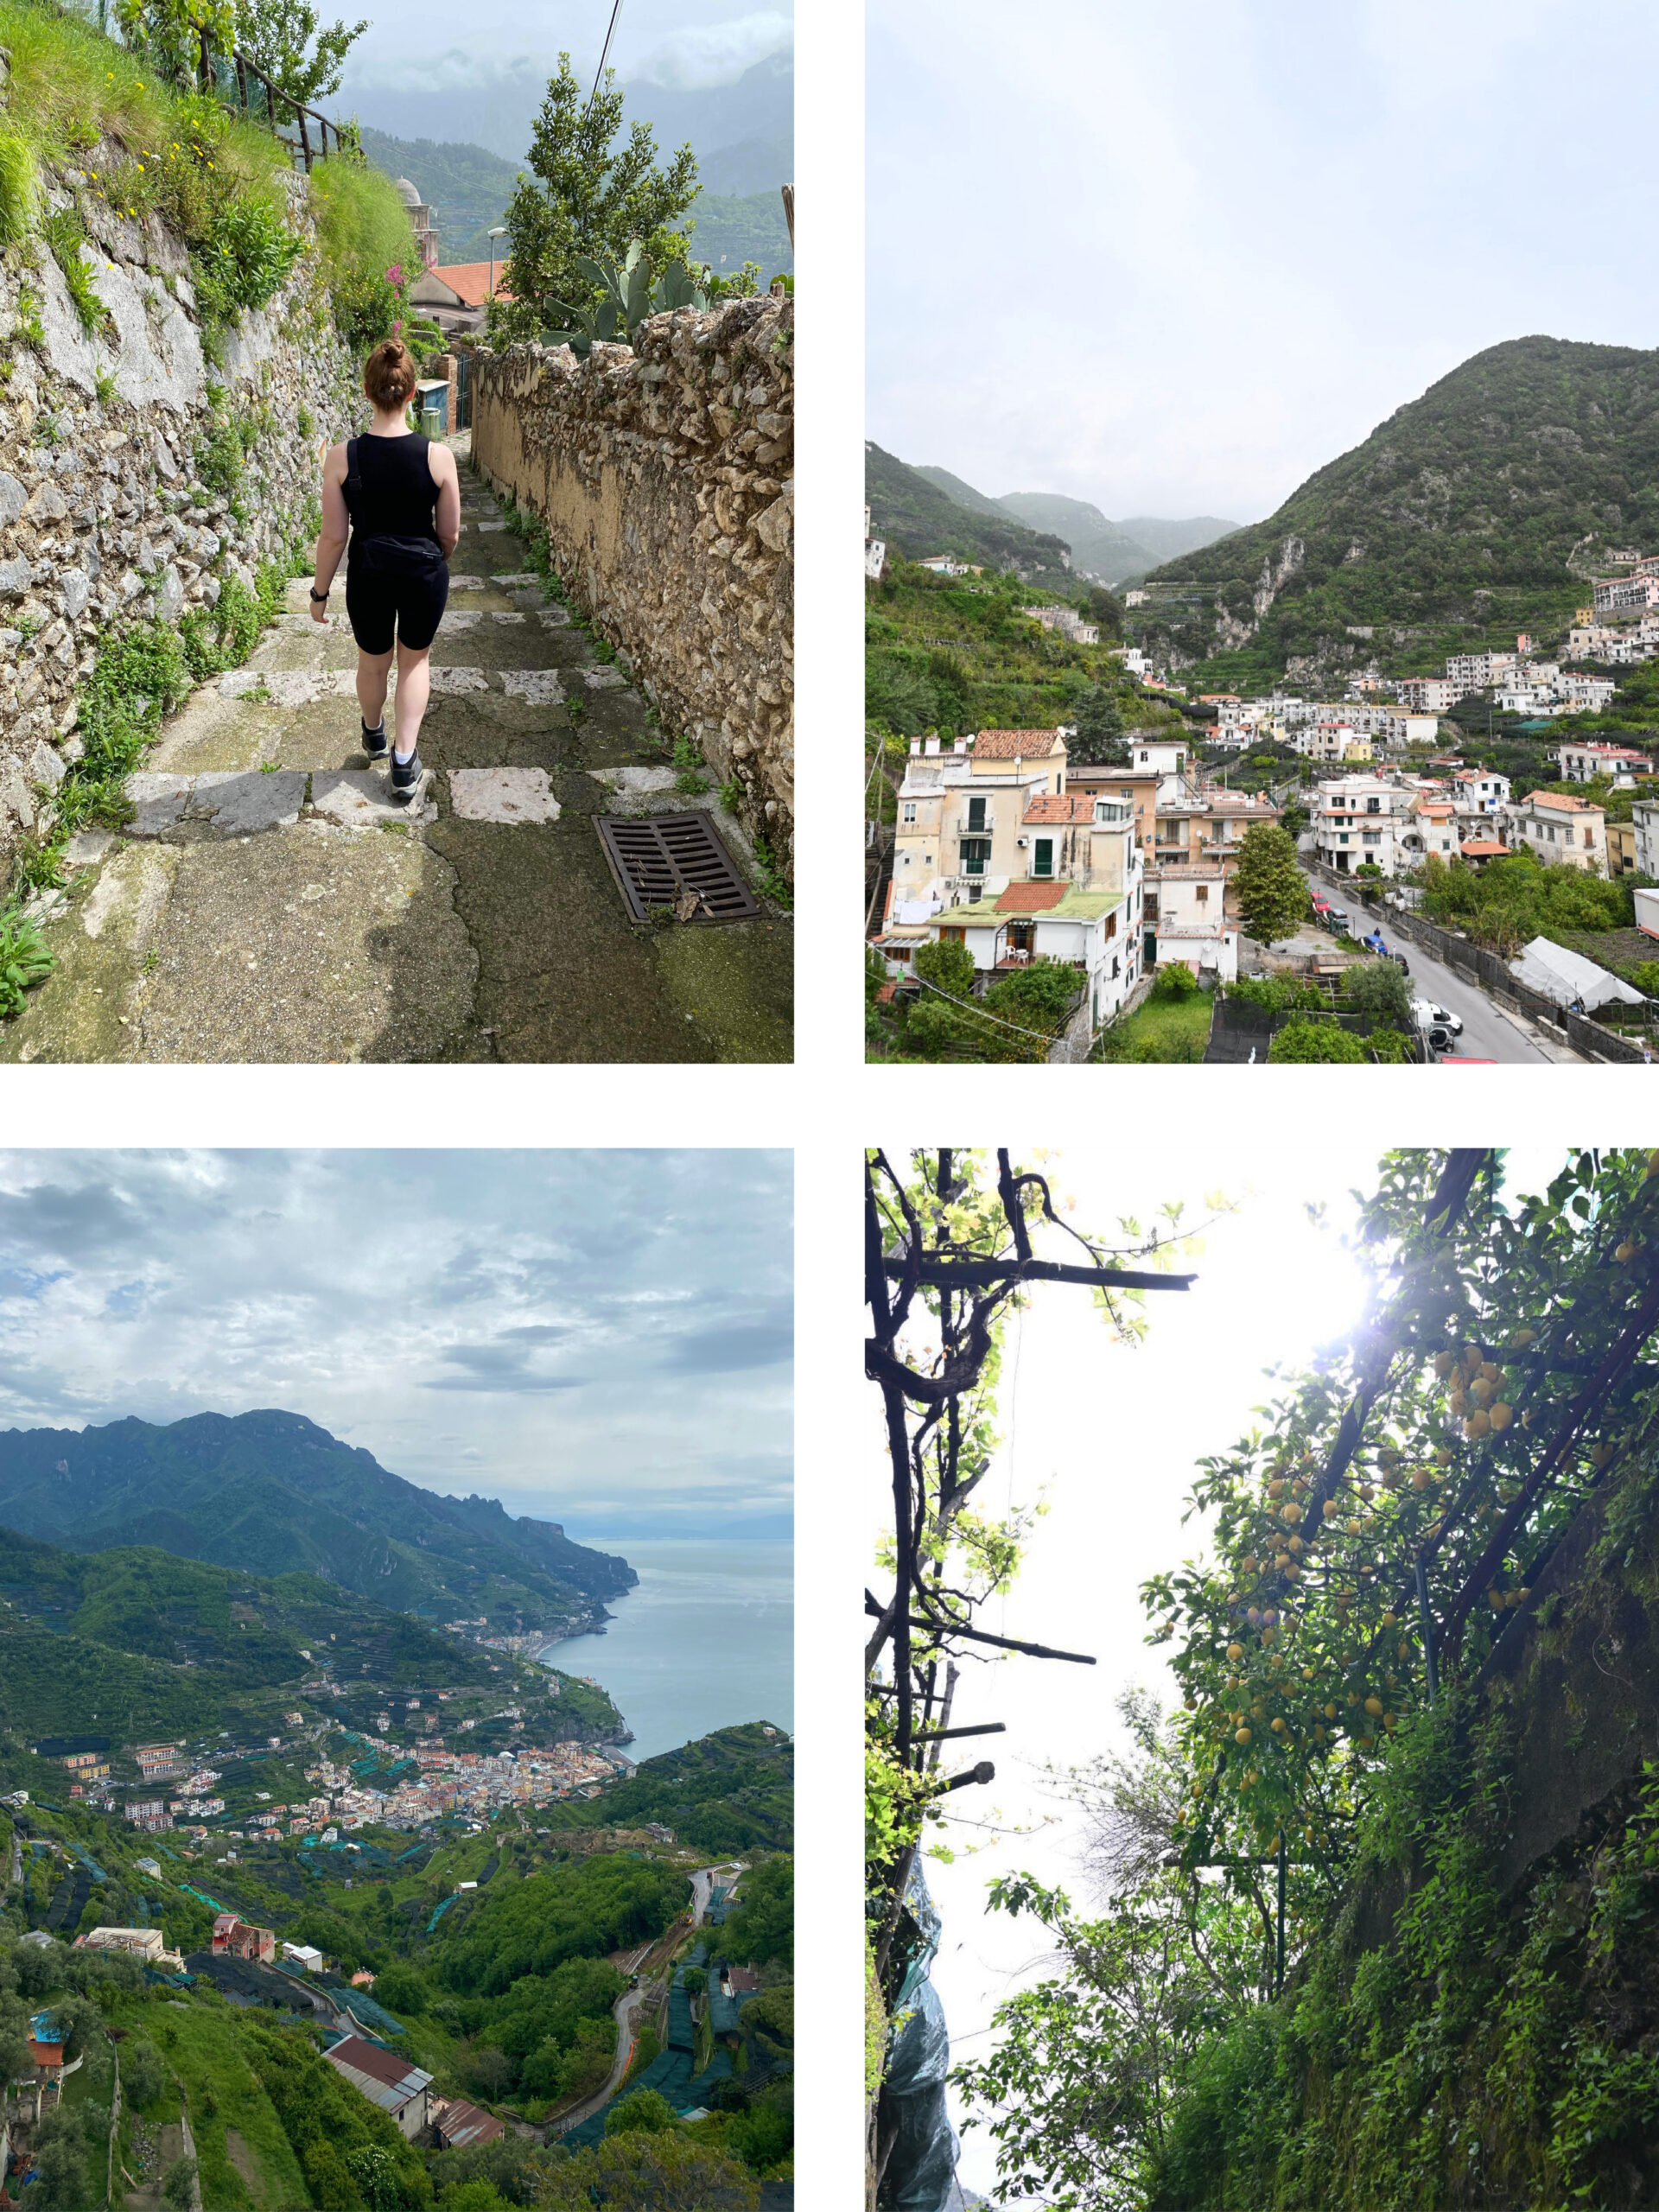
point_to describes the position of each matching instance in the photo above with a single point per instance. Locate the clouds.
(585, 1335)
(1215, 246)
(701, 54)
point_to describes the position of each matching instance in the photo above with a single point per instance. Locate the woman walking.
(400, 497)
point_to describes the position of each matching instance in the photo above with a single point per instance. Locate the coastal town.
(1007, 846)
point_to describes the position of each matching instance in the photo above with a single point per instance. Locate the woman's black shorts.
(409, 606)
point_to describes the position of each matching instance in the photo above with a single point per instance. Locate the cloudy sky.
(602, 1338)
(421, 69)
(1174, 259)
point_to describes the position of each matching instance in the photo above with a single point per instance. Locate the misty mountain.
(756, 114)
(1108, 551)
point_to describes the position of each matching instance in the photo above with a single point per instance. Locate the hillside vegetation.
(732, 1791)
(133, 1642)
(1477, 510)
(960, 653)
(272, 1492)
(917, 519)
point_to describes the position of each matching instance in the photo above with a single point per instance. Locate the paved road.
(627, 2010)
(1490, 1032)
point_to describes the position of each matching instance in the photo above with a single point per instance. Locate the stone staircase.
(269, 902)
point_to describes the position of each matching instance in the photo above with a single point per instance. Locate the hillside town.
(373, 1782)
(1006, 846)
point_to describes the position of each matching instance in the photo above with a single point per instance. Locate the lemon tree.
(1389, 1511)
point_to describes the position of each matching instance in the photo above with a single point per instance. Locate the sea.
(705, 1640)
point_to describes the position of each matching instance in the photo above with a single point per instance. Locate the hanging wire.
(604, 53)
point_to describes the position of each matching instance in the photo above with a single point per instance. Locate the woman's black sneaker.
(376, 743)
(406, 776)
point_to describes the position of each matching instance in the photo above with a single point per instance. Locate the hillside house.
(455, 294)
(1621, 849)
(241, 1940)
(148, 1944)
(158, 1762)
(46, 2049)
(1586, 695)
(1430, 830)
(1632, 595)
(385, 2079)
(1558, 829)
(1477, 671)
(1068, 622)
(961, 811)
(1582, 760)
(457, 2122)
(1428, 695)
(1354, 821)
(1645, 821)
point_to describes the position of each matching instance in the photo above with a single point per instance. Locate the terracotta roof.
(1045, 806)
(471, 279)
(1015, 744)
(1480, 848)
(1030, 898)
(1559, 799)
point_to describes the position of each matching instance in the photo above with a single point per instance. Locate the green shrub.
(645, 2112)
(65, 233)
(364, 233)
(1039, 996)
(1390, 1048)
(1379, 989)
(20, 188)
(1311, 1042)
(1277, 993)
(947, 966)
(1175, 980)
(24, 960)
(245, 258)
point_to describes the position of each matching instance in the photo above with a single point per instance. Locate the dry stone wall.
(664, 475)
(104, 518)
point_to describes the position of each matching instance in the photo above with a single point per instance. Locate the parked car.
(1442, 1038)
(1428, 1015)
(1335, 919)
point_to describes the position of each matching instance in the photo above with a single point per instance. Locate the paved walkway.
(269, 903)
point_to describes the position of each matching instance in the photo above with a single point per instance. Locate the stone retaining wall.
(664, 476)
(104, 519)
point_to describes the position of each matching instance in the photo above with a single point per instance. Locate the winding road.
(1492, 1030)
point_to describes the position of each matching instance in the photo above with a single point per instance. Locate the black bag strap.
(354, 484)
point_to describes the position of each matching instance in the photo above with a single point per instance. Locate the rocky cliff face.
(105, 517)
(665, 479)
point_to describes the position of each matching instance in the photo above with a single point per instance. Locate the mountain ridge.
(1109, 552)
(270, 1491)
(1483, 502)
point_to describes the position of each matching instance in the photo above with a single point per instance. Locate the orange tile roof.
(1480, 848)
(1015, 744)
(1047, 807)
(471, 279)
(1030, 898)
(1560, 799)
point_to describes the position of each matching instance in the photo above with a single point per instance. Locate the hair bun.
(390, 375)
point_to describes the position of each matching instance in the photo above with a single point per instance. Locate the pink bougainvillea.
(395, 274)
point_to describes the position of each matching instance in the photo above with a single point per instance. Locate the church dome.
(407, 193)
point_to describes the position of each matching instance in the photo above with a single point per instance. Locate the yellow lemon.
(1500, 1416)
(1374, 1704)
(1292, 1514)
(1479, 1424)
(1234, 1651)
(1241, 1736)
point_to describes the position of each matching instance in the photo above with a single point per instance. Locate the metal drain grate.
(663, 860)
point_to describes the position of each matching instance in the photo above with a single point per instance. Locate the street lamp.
(500, 232)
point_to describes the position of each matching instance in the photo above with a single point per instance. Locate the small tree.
(645, 2112)
(586, 198)
(694, 1981)
(278, 35)
(1272, 892)
(948, 966)
(168, 32)
(1315, 1041)
(1380, 989)
(1099, 741)
(180, 2185)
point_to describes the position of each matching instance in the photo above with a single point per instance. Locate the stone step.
(302, 687)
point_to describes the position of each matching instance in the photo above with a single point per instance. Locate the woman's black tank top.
(399, 497)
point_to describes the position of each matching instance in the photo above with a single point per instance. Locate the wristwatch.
(321, 597)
